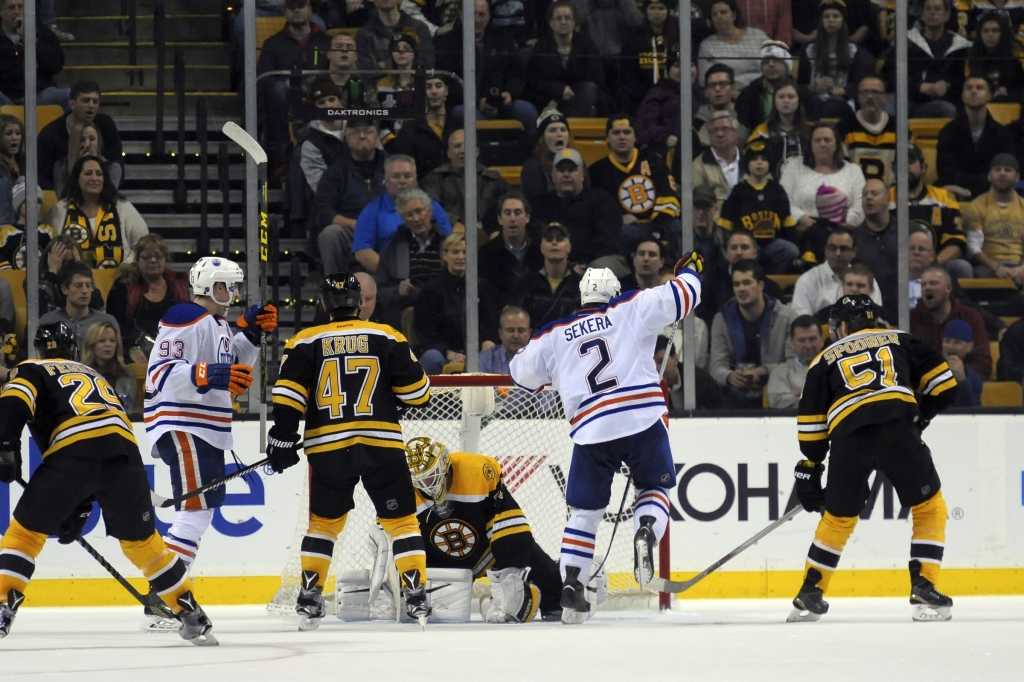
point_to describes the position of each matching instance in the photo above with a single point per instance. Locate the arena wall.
(735, 477)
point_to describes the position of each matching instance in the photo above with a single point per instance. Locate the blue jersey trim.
(192, 424)
(604, 394)
(183, 314)
(638, 406)
(190, 406)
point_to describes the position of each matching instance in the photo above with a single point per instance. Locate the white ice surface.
(866, 640)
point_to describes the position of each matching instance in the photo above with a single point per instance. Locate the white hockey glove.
(513, 599)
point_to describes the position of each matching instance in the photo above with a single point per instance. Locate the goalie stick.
(151, 600)
(675, 587)
(161, 501)
(251, 147)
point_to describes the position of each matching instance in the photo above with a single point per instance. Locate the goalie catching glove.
(690, 261)
(513, 599)
(282, 449)
(257, 320)
(235, 379)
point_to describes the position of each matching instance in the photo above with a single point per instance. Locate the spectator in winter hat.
(832, 204)
(957, 343)
(552, 137)
(754, 103)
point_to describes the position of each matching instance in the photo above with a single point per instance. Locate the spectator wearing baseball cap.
(552, 292)
(994, 223)
(591, 215)
(957, 343)
(324, 143)
(552, 137)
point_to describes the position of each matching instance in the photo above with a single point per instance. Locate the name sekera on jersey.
(587, 326)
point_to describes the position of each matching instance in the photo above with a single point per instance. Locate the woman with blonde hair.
(104, 353)
(144, 290)
(85, 140)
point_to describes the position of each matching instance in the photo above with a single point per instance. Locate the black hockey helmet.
(341, 293)
(56, 340)
(856, 310)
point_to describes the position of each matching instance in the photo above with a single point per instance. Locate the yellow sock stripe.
(331, 528)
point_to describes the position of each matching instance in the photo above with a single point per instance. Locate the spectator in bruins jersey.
(78, 314)
(888, 386)
(760, 205)
(787, 128)
(720, 164)
(9, 352)
(994, 224)
(995, 56)
(85, 458)
(339, 451)
(460, 495)
(12, 235)
(831, 64)
(649, 51)
(105, 225)
(823, 164)
(968, 143)
(749, 337)
(640, 181)
(939, 211)
(439, 314)
(786, 381)
(870, 134)
(551, 292)
(937, 308)
(503, 259)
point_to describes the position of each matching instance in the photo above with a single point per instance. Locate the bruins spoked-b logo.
(454, 537)
(636, 194)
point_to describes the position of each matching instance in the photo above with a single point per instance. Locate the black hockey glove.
(69, 530)
(281, 449)
(808, 485)
(10, 461)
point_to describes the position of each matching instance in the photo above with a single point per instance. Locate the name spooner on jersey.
(587, 326)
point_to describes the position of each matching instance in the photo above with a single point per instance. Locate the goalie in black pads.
(89, 453)
(347, 378)
(869, 395)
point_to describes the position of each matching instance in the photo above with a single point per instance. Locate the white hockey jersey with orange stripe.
(188, 335)
(601, 360)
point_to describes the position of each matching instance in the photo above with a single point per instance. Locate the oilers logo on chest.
(637, 194)
(455, 538)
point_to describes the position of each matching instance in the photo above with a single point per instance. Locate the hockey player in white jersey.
(196, 368)
(600, 361)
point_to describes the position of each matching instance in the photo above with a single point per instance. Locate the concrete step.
(143, 77)
(169, 173)
(188, 246)
(115, 27)
(165, 197)
(143, 103)
(190, 221)
(116, 52)
(144, 147)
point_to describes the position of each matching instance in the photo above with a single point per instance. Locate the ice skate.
(809, 604)
(310, 602)
(929, 604)
(9, 610)
(415, 595)
(643, 552)
(195, 624)
(156, 621)
(575, 607)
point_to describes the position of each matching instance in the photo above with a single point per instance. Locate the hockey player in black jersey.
(89, 453)
(760, 205)
(866, 400)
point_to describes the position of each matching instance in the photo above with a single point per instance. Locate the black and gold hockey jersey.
(763, 210)
(485, 527)
(69, 407)
(12, 245)
(643, 187)
(871, 377)
(939, 211)
(347, 379)
(873, 148)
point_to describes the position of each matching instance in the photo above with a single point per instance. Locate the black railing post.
(295, 285)
(224, 182)
(133, 24)
(160, 40)
(204, 180)
(180, 194)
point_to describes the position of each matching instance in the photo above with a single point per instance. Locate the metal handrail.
(202, 138)
(160, 39)
(180, 195)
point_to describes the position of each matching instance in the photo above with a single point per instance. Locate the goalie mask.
(210, 270)
(429, 464)
(599, 285)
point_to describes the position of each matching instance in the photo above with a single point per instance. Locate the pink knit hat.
(832, 204)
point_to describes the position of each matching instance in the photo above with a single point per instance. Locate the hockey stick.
(161, 502)
(675, 587)
(233, 131)
(151, 600)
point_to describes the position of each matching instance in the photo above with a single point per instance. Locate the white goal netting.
(529, 435)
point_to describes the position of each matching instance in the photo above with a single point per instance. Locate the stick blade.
(244, 140)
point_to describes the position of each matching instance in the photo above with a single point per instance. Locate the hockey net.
(529, 436)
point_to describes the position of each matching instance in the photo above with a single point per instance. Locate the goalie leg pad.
(353, 598)
(449, 594)
(513, 599)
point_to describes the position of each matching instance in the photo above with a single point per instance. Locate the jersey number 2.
(329, 392)
(603, 360)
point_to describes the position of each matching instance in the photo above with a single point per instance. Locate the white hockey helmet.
(211, 269)
(599, 285)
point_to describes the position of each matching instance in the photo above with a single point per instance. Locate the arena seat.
(509, 174)
(49, 199)
(1004, 112)
(16, 280)
(500, 143)
(1002, 394)
(266, 27)
(987, 283)
(591, 150)
(587, 129)
(453, 368)
(927, 128)
(103, 280)
(928, 148)
(45, 114)
(993, 348)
